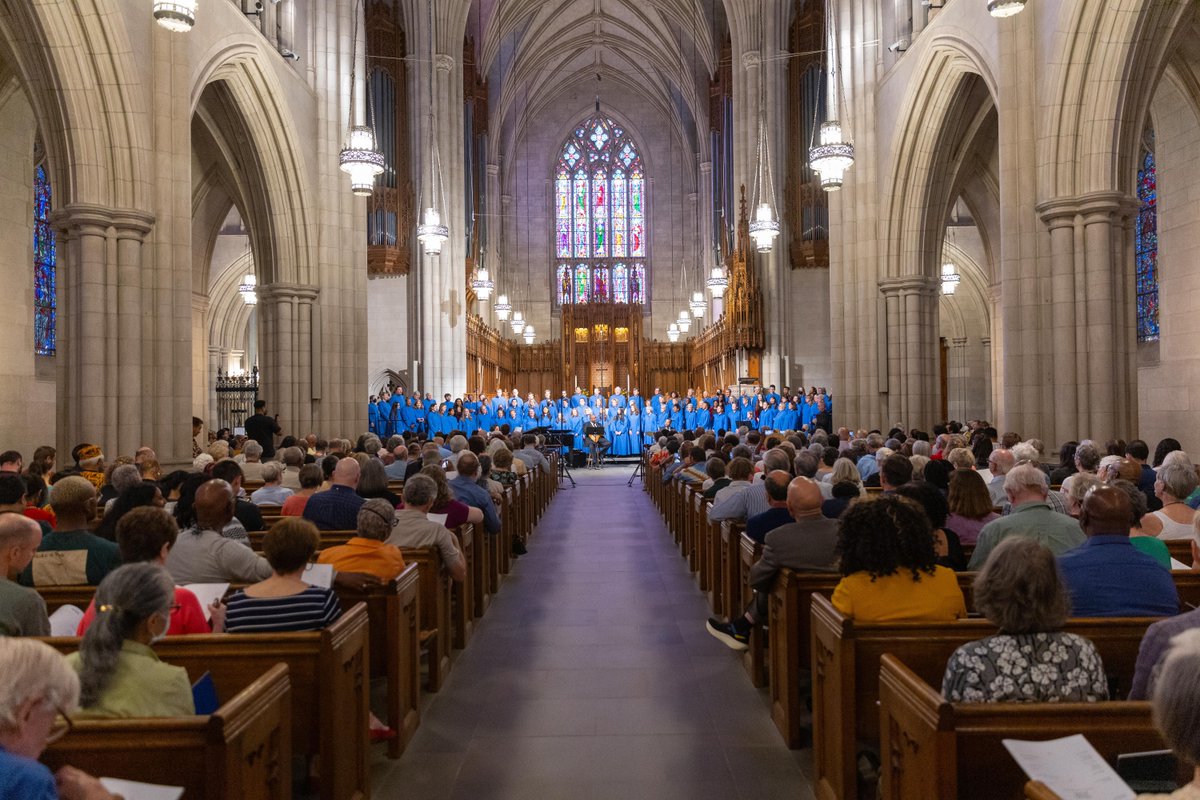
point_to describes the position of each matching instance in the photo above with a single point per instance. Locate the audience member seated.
(895, 471)
(502, 467)
(466, 490)
(1106, 576)
(337, 508)
(1081, 483)
(36, 500)
(414, 529)
(244, 511)
(970, 504)
(137, 496)
(202, 554)
(945, 541)
(1172, 486)
(39, 696)
(368, 552)
(889, 567)
(396, 470)
(808, 543)
(185, 512)
(271, 493)
(530, 454)
(119, 674)
(741, 505)
(1030, 660)
(1026, 488)
(72, 555)
(1087, 461)
(22, 610)
(457, 512)
(252, 464)
(1158, 638)
(373, 482)
(1151, 546)
(293, 460)
(283, 602)
(1066, 463)
(121, 478)
(1176, 706)
(311, 478)
(146, 535)
(844, 493)
(739, 471)
(758, 526)
(714, 471)
(999, 463)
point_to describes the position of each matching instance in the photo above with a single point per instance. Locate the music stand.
(559, 439)
(596, 430)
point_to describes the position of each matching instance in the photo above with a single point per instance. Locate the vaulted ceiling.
(535, 52)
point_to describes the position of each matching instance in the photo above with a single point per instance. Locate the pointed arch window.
(1146, 245)
(600, 216)
(45, 261)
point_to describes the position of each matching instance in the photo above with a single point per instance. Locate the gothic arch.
(1113, 55)
(85, 92)
(228, 314)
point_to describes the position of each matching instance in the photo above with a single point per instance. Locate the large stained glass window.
(1146, 247)
(600, 216)
(44, 262)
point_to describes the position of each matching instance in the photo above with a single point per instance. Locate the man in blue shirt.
(337, 508)
(1106, 575)
(466, 490)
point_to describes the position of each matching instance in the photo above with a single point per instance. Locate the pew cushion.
(1027, 668)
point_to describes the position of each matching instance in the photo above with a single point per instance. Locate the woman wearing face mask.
(119, 674)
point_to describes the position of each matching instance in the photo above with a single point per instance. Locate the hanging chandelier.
(718, 283)
(950, 279)
(673, 332)
(431, 233)
(483, 284)
(248, 290)
(359, 157)
(832, 157)
(698, 304)
(360, 160)
(518, 322)
(502, 308)
(1005, 8)
(528, 334)
(684, 322)
(764, 228)
(175, 15)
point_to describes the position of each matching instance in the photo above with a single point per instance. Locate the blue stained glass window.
(44, 261)
(600, 215)
(1146, 249)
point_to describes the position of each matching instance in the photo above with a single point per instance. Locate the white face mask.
(158, 637)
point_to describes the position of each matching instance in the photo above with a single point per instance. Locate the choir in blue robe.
(649, 426)
(766, 419)
(656, 402)
(617, 432)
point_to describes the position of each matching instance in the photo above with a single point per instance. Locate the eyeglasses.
(62, 726)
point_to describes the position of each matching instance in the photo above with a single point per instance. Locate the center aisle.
(591, 676)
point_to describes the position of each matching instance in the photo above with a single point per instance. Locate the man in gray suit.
(808, 544)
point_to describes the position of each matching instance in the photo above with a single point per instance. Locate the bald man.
(337, 508)
(203, 554)
(22, 610)
(1106, 575)
(808, 544)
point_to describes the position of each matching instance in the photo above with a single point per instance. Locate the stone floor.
(591, 676)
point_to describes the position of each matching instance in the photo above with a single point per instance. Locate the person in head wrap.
(90, 460)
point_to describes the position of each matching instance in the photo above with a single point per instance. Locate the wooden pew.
(932, 748)
(462, 594)
(328, 539)
(754, 659)
(731, 569)
(487, 549)
(845, 674)
(711, 542)
(434, 604)
(394, 621)
(329, 672)
(240, 752)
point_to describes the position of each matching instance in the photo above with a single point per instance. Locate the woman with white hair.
(1175, 481)
(1176, 708)
(37, 696)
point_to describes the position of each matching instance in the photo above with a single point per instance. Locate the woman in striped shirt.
(284, 602)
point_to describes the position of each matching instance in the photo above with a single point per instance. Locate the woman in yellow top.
(889, 565)
(119, 675)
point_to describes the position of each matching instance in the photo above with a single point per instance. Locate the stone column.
(286, 377)
(910, 328)
(494, 221)
(956, 379)
(215, 363)
(988, 397)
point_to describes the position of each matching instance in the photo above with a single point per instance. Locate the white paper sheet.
(65, 621)
(1175, 564)
(1070, 767)
(132, 790)
(206, 593)
(440, 519)
(318, 575)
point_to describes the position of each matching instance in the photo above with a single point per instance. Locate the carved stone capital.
(751, 59)
(443, 62)
(910, 284)
(287, 292)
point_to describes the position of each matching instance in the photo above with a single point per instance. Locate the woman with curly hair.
(889, 566)
(1031, 660)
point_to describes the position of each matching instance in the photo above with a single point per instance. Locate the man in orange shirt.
(367, 552)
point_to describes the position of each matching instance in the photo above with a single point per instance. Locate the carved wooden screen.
(805, 202)
(390, 213)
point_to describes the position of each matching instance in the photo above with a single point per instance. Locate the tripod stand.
(562, 440)
(637, 470)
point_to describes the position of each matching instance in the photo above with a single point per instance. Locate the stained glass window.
(44, 263)
(1146, 248)
(599, 216)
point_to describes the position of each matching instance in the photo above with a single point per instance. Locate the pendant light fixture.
(248, 290)
(1005, 8)
(518, 322)
(764, 227)
(950, 279)
(833, 153)
(528, 333)
(698, 304)
(717, 283)
(502, 308)
(482, 284)
(673, 332)
(359, 157)
(431, 233)
(175, 15)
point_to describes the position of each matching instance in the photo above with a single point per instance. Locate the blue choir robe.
(676, 417)
(373, 417)
(485, 419)
(575, 425)
(689, 417)
(620, 401)
(806, 414)
(434, 420)
(617, 431)
(498, 403)
(389, 415)
(471, 406)
(656, 402)
(704, 418)
(649, 427)
(775, 397)
(546, 420)
(766, 418)
(635, 428)
(544, 405)
(784, 420)
(529, 420)
(720, 420)
(596, 402)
